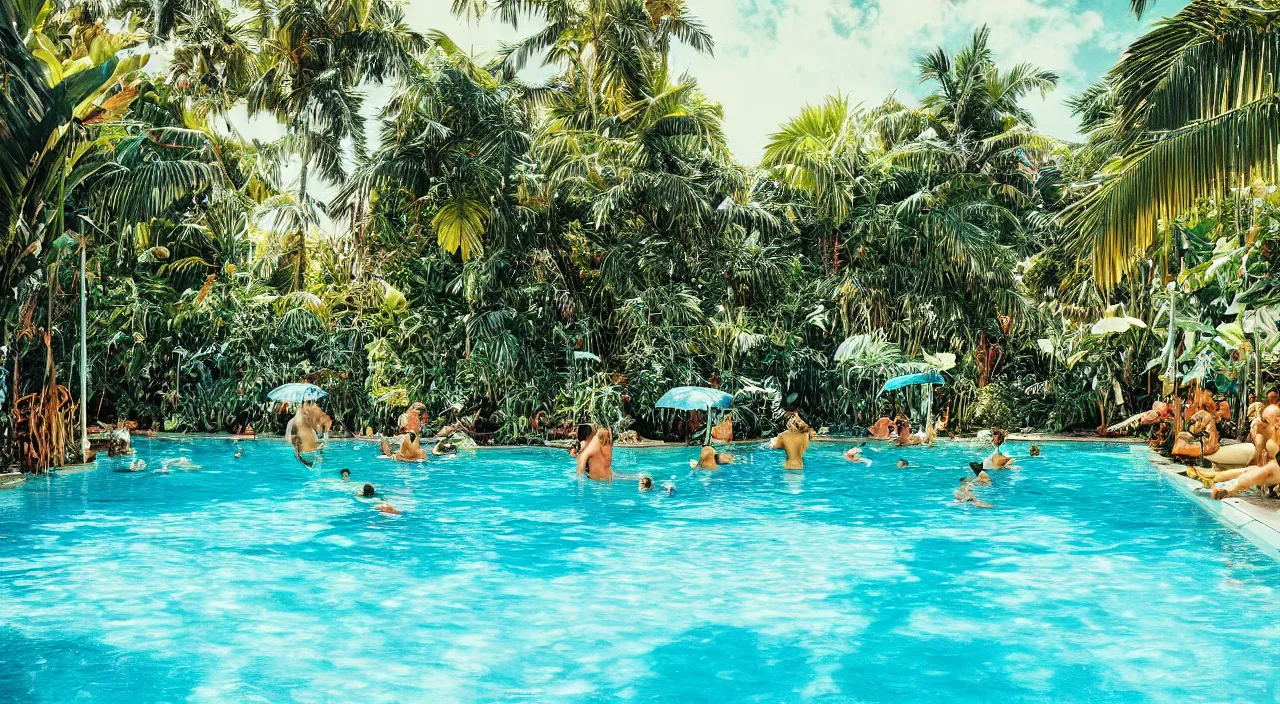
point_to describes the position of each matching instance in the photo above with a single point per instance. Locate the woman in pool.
(596, 459)
(795, 442)
(410, 449)
(854, 454)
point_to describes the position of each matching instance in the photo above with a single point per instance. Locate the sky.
(774, 56)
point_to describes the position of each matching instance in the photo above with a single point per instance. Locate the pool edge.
(1257, 524)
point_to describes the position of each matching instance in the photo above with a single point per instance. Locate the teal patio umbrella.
(696, 398)
(297, 393)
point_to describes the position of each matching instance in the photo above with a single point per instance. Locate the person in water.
(979, 473)
(903, 464)
(239, 451)
(708, 458)
(997, 459)
(346, 474)
(410, 449)
(445, 447)
(854, 454)
(964, 494)
(596, 459)
(1034, 451)
(646, 482)
(795, 442)
(306, 432)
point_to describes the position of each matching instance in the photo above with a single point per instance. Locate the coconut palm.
(316, 54)
(1195, 114)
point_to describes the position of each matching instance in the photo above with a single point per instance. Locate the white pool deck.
(1253, 517)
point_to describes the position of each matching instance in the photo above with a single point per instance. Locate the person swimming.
(854, 454)
(964, 494)
(1034, 451)
(646, 483)
(367, 491)
(708, 458)
(239, 451)
(903, 464)
(795, 442)
(345, 474)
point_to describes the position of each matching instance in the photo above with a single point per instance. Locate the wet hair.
(584, 432)
(367, 491)
(344, 472)
(976, 467)
(1034, 451)
(903, 463)
(604, 436)
(646, 482)
(998, 436)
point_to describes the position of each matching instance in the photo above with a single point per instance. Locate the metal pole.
(84, 359)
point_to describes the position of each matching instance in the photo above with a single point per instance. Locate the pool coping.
(1255, 518)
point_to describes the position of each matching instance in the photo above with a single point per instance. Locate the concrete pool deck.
(1256, 518)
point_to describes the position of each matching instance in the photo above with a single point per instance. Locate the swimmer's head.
(367, 491)
(1034, 451)
(724, 458)
(997, 437)
(903, 464)
(346, 474)
(646, 483)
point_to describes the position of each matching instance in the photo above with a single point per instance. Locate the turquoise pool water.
(506, 579)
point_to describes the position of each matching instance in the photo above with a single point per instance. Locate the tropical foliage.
(521, 257)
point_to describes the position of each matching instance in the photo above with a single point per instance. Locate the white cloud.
(773, 57)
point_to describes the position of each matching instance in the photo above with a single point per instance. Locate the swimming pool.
(508, 579)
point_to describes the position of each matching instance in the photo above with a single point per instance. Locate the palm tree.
(1195, 114)
(316, 54)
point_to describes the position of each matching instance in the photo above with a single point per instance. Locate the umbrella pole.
(708, 440)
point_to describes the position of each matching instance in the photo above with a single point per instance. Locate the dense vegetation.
(528, 256)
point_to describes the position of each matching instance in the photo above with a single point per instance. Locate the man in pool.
(368, 492)
(997, 459)
(646, 482)
(903, 464)
(795, 442)
(708, 458)
(596, 459)
(306, 431)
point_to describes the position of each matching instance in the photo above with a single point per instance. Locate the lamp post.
(84, 357)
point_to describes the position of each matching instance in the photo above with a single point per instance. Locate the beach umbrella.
(930, 377)
(297, 393)
(898, 382)
(696, 398)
